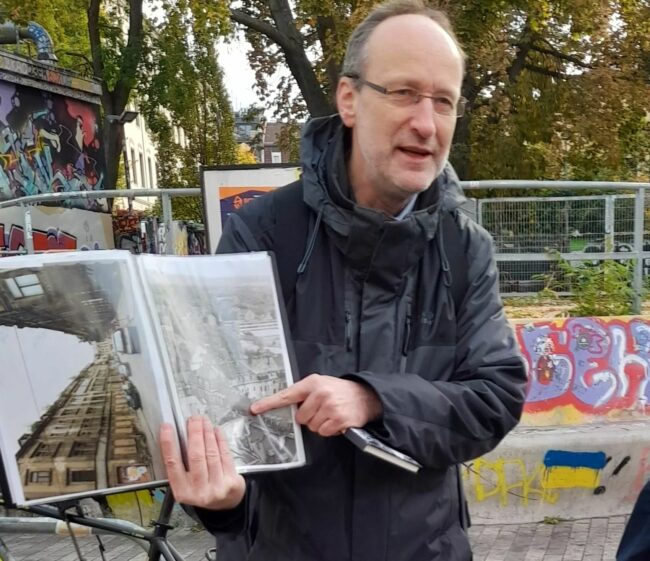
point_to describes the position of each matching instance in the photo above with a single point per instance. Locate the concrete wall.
(583, 446)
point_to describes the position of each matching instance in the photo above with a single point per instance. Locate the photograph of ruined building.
(220, 322)
(77, 411)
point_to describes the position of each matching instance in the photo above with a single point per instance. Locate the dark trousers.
(635, 543)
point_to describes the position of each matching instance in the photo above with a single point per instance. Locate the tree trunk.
(113, 145)
(288, 38)
(114, 101)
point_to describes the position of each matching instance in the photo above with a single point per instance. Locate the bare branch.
(557, 54)
(260, 26)
(546, 72)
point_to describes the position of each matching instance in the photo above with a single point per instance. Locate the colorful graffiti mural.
(48, 143)
(596, 365)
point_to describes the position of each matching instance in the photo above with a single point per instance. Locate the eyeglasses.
(406, 97)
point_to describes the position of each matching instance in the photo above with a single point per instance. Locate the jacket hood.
(375, 244)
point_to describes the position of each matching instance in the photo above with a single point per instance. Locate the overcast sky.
(238, 75)
(37, 364)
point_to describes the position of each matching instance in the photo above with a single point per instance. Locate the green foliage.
(289, 141)
(602, 289)
(563, 86)
(64, 20)
(182, 85)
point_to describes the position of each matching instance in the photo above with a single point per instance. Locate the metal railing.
(530, 233)
(526, 229)
(166, 195)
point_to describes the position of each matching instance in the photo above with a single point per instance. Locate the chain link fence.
(531, 232)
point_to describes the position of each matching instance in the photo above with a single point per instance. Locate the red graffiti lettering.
(52, 240)
(597, 365)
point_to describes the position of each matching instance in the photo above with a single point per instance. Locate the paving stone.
(574, 540)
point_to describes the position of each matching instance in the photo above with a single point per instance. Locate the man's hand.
(328, 405)
(211, 480)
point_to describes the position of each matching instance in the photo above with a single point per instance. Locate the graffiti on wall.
(55, 229)
(514, 481)
(48, 143)
(596, 365)
(52, 239)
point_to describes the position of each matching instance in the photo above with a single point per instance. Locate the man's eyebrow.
(411, 83)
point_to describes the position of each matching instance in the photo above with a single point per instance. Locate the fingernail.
(254, 409)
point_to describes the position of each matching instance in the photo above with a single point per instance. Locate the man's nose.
(423, 119)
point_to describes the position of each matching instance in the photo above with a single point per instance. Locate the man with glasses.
(394, 313)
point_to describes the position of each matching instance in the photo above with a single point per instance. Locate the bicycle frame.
(158, 546)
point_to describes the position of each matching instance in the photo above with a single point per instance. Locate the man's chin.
(416, 185)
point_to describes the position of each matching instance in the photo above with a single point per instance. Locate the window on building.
(276, 157)
(81, 476)
(152, 183)
(46, 450)
(143, 175)
(83, 449)
(132, 172)
(24, 286)
(69, 411)
(89, 432)
(44, 476)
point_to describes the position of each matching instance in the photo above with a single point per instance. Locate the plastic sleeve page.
(223, 344)
(77, 411)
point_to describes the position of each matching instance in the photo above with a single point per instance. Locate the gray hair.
(355, 54)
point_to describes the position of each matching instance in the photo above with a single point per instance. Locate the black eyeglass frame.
(460, 104)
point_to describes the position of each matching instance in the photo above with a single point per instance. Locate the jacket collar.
(374, 243)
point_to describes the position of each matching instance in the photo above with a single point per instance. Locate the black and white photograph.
(79, 406)
(220, 324)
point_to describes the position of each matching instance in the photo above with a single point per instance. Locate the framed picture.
(227, 188)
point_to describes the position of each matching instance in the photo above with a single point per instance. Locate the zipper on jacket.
(348, 331)
(406, 340)
(407, 331)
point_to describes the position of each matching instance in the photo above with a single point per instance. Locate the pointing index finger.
(293, 394)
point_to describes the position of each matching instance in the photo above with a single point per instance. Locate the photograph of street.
(225, 346)
(77, 415)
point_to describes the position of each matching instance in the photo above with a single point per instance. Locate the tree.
(182, 84)
(245, 155)
(88, 37)
(563, 85)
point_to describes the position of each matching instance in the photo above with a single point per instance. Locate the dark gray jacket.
(374, 305)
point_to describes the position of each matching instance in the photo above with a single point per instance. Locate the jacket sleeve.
(446, 422)
(237, 237)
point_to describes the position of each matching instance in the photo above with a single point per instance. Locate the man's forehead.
(410, 31)
(413, 48)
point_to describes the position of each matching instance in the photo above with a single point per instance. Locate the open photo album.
(98, 348)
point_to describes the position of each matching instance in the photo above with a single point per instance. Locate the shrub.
(601, 289)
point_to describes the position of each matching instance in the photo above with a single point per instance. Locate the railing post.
(609, 223)
(167, 220)
(637, 283)
(29, 233)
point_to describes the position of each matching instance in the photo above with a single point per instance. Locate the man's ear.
(346, 99)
